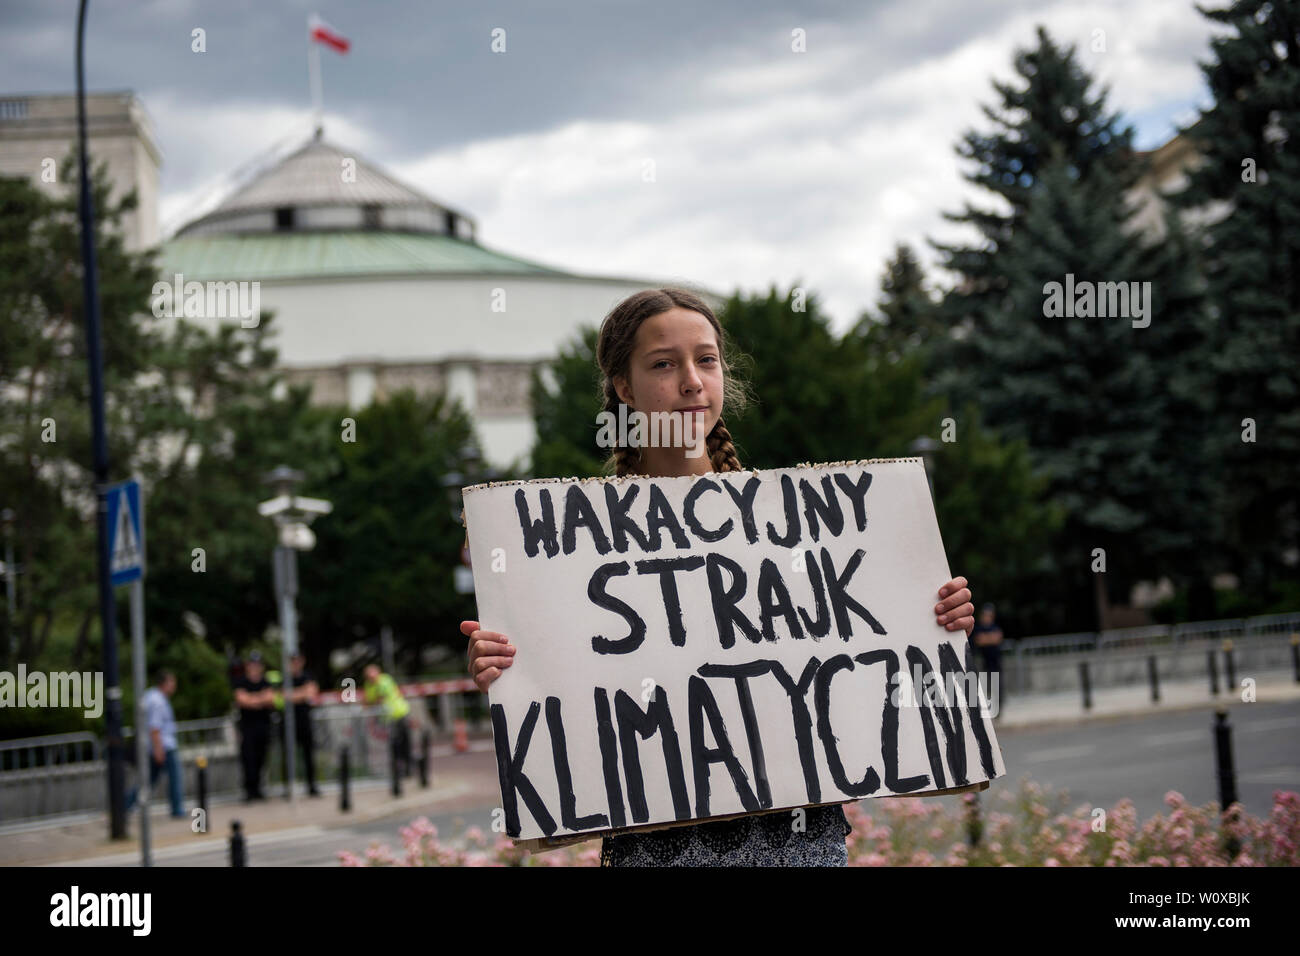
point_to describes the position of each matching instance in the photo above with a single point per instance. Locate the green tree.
(1244, 196)
(385, 555)
(1110, 412)
(192, 410)
(45, 434)
(909, 317)
(565, 410)
(817, 396)
(209, 549)
(999, 525)
(1050, 111)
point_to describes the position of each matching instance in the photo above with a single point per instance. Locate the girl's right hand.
(489, 653)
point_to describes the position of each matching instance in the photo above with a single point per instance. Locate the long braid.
(627, 461)
(722, 453)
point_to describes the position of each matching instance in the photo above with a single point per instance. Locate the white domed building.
(377, 287)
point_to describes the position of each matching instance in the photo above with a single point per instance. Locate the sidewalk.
(1031, 711)
(43, 842)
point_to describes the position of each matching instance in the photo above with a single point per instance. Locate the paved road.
(1142, 758)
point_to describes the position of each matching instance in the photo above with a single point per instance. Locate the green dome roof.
(323, 211)
(294, 255)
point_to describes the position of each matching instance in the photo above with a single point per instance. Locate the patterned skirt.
(776, 838)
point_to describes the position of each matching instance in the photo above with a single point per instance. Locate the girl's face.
(676, 367)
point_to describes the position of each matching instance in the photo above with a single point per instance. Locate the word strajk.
(621, 726)
(822, 513)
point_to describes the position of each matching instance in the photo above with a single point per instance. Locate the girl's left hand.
(955, 610)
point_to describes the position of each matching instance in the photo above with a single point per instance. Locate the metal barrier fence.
(65, 773)
(49, 751)
(1156, 635)
(209, 733)
(1123, 656)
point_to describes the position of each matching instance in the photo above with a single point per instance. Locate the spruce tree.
(1104, 404)
(1244, 194)
(1051, 110)
(908, 317)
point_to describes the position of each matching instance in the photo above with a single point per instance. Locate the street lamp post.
(454, 481)
(292, 514)
(99, 448)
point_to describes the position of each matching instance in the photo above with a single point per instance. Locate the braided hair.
(614, 349)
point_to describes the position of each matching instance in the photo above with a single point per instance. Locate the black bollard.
(1213, 667)
(202, 764)
(1229, 668)
(345, 797)
(238, 853)
(424, 758)
(1227, 775)
(1086, 684)
(974, 826)
(392, 766)
(1154, 675)
(1295, 656)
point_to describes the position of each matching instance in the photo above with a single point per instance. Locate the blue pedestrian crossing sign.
(125, 533)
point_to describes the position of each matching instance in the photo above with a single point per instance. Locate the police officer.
(255, 700)
(382, 688)
(986, 639)
(303, 692)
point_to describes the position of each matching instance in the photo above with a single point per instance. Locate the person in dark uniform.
(986, 639)
(303, 693)
(255, 700)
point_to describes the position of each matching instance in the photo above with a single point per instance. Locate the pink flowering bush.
(1027, 828)
(421, 847)
(1032, 828)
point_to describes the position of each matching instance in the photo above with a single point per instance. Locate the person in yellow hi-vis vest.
(381, 688)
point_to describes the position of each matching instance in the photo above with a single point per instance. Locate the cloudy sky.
(770, 165)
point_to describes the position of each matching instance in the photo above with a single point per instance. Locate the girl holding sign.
(662, 350)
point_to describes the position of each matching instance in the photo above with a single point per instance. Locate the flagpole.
(313, 71)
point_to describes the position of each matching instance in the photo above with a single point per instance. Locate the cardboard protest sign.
(722, 644)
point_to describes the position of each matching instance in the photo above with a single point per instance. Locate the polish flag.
(322, 32)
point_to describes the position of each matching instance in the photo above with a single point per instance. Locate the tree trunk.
(1102, 599)
(83, 638)
(25, 639)
(39, 650)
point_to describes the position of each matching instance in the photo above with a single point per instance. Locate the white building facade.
(377, 287)
(37, 131)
